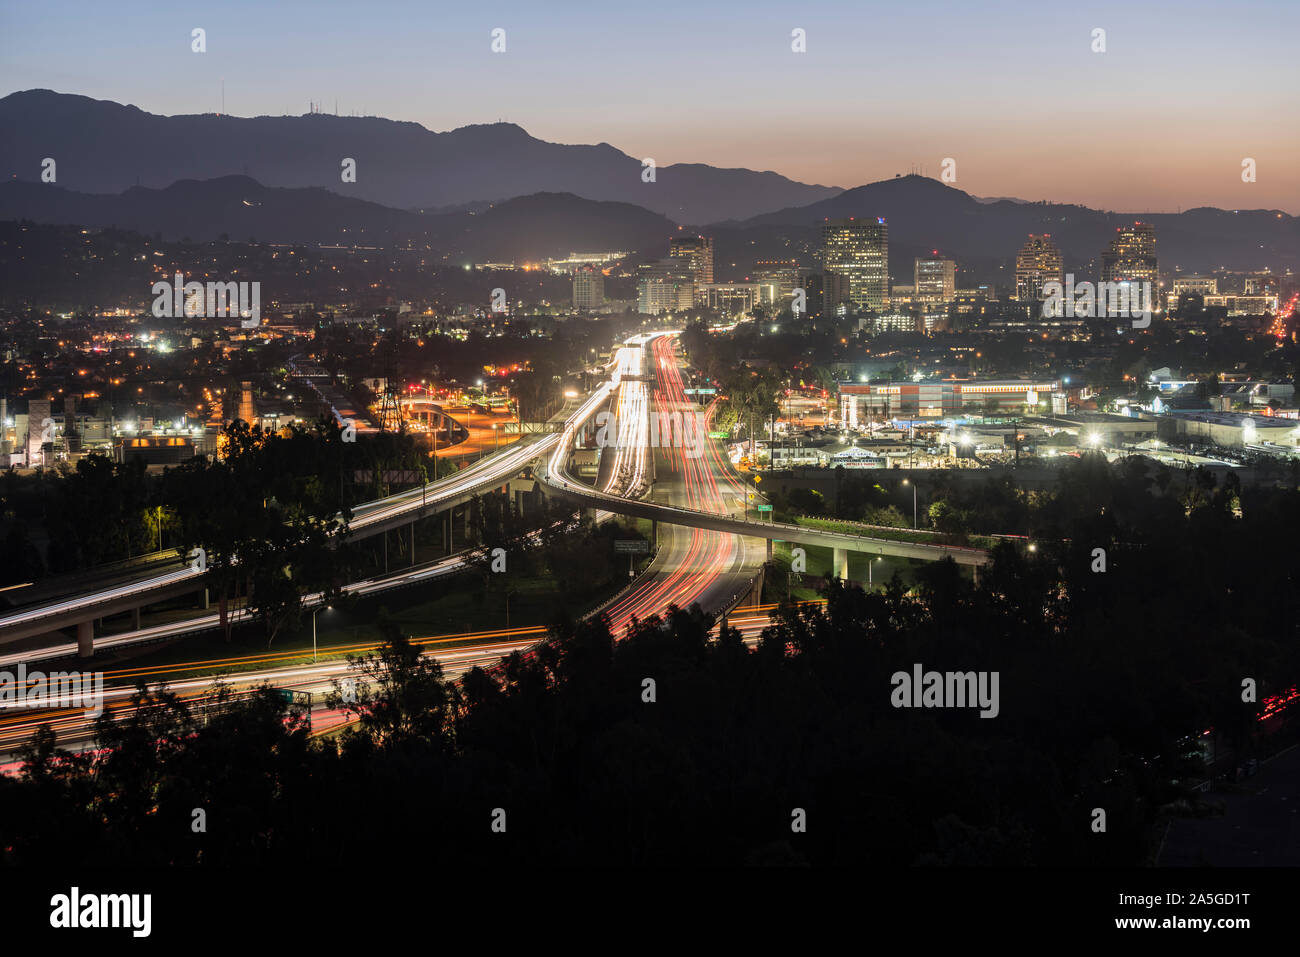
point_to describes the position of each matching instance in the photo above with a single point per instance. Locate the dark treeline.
(272, 498)
(1107, 680)
(1136, 496)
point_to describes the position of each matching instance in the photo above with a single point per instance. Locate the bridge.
(551, 470)
(373, 518)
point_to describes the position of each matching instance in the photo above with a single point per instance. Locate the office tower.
(858, 251)
(783, 274)
(696, 252)
(588, 288)
(1131, 256)
(935, 280)
(1038, 262)
(665, 286)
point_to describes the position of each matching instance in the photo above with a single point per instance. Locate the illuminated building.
(588, 288)
(696, 253)
(1037, 263)
(858, 251)
(935, 280)
(1131, 256)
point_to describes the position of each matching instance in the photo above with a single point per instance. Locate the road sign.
(631, 546)
(719, 435)
(763, 508)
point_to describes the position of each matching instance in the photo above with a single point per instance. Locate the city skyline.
(872, 112)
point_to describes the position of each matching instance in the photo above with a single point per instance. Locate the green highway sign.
(719, 435)
(764, 508)
(631, 546)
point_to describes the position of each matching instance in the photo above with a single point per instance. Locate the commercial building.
(1131, 256)
(588, 288)
(736, 298)
(783, 274)
(935, 280)
(696, 254)
(858, 251)
(940, 397)
(1038, 263)
(665, 286)
(1243, 305)
(1232, 429)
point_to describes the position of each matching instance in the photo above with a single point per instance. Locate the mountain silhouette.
(524, 228)
(105, 147)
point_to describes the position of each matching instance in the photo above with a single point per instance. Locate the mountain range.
(494, 193)
(525, 228)
(106, 147)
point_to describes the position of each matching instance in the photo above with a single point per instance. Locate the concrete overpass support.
(85, 638)
(135, 617)
(840, 563)
(412, 544)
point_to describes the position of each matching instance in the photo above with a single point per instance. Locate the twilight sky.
(1011, 90)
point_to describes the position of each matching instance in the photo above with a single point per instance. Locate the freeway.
(456, 653)
(555, 479)
(368, 519)
(692, 565)
(211, 622)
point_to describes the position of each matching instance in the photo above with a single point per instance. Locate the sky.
(1011, 91)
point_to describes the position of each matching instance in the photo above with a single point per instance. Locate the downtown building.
(695, 253)
(588, 288)
(782, 274)
(736, 298)
(934, 399)
(934, 281)
(1038, 263)
(1131, 259)
(667, 285)
(857, 251)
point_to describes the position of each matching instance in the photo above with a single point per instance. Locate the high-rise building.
(858, 251)
(935, 280)
(1037, 263)
(783, 274)
(588, 288)
(1131, 256)
(665, 286)
(696, 253)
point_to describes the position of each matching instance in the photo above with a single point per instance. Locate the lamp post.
(913, 484)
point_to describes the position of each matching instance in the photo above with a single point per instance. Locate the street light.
(313, 631)
(909, 482)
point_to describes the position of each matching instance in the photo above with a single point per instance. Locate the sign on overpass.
(389, 476)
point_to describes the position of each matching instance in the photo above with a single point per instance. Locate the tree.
(398, 694)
